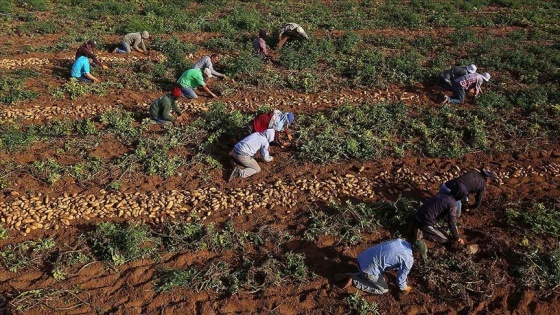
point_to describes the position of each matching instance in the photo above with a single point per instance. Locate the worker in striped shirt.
(465, 83)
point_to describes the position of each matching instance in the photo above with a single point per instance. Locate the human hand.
(104, 67)
(290, 137)
(406, 290)
(460, 242)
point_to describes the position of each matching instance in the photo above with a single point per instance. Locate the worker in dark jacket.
(160, 108)
(474, 182)
(448, 76)
(443, 205)
(87, 50)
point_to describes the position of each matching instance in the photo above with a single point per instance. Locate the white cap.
(486, 76)
(471, 69)
(208, 73)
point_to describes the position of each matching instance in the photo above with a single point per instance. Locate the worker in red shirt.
(87, 50)
(276, 120)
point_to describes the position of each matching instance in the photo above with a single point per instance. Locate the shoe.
(234, 174)
(445, 99)
(114, 50)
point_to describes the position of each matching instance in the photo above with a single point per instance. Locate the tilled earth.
(282, 196)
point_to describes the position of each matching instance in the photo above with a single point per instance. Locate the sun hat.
(486, 76)
(471, 68)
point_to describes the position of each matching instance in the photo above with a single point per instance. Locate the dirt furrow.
(28, 213)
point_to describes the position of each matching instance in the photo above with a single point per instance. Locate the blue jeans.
(188, 92)
(84, 79)
(160, 121)
(458, 94)
(124, 48)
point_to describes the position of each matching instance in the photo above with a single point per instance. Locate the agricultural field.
(103, 212)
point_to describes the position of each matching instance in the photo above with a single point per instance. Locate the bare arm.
(208, 91)
(91, 77)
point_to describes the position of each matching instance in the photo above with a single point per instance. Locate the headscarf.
(284, 121)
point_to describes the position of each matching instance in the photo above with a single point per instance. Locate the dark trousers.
(417, 231)
(445, 84)
(84, 79)
(458, 93)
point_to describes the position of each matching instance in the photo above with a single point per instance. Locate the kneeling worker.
(245, 149)
(374, 261)
(160, 108)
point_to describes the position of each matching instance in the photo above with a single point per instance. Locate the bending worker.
(373, 262)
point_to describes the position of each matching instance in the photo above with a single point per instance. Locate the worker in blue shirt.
(374, 261)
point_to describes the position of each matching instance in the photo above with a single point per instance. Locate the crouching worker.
(423, 225)
(374, 261)
(160, 108)
(133, 41)
(276, 120)
(191, 79)
(87, 50)
(290, 31)
(80, 70)
(465, 83)
(448, 76)
(245, 149)
(475, 182)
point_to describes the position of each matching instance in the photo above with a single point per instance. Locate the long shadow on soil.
(324, 261)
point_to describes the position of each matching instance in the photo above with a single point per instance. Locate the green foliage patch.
(539, 270)
(16, 257)
(117, 244)
(541, 218)
(348, 222)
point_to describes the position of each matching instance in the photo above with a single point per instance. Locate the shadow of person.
(323, 261)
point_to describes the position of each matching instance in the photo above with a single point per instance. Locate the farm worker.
(160, 108)
(464, 83)
(259, 45)
(474, 182)
(276, 120)
(443, 205)
(131, 41)
(80, 70)
(245, 149)
(290, 31)
(87, 50)
(448, 76)
(374, 261)
(192, 79)
(207, 62)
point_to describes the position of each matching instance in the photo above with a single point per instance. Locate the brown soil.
(525, 176)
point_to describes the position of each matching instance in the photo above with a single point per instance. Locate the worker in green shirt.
(160, 108)
(192, 79)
